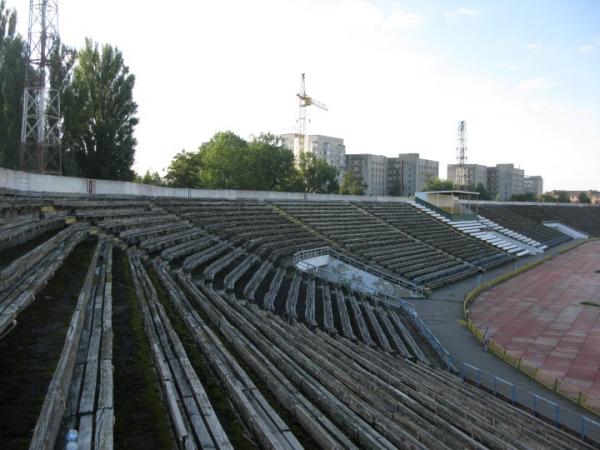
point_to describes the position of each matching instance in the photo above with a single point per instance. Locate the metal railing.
(561, 417)
(385, 297)
(414, 288)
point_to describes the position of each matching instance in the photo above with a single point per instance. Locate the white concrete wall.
(31, 182)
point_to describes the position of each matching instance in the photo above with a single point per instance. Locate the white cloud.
(405, 20)
(587, 49)
(511, 40)
(467, 12)
(461, 12)
(597, 39)
(537, 48)
(536, 84)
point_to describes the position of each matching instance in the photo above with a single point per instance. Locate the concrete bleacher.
(292, 351)
(379, 243)
(508, 218)
(579, 217)
(437, 233)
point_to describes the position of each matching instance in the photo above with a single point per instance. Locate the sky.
(396, 76)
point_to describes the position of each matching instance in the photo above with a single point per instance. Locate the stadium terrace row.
(303, 362)
(582, 218)
(511, 219)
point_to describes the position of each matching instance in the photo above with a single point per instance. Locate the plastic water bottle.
(72, 437)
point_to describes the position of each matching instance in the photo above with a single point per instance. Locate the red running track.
(538, 316)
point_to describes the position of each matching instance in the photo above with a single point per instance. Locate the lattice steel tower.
(462, 172)
(41, 125)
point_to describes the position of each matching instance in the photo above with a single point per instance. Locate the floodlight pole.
(41, 121)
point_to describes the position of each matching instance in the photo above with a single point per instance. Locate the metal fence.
(588, 429)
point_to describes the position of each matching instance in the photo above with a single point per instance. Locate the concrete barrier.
(53, 184)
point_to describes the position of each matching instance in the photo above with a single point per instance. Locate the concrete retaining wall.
(32, 182)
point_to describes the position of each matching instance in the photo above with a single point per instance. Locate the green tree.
(526, 197)
(584, 198)
(435, 184)
(225, 162)
(315, 175)
(271, 164)
(549, 198)
(184, 170)
(12, 83)
(483, 193)
(100, 114)
(152, 178)
(352, 184)
(563, 197)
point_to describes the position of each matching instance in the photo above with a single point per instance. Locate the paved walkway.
(444, 308)
(542, 316)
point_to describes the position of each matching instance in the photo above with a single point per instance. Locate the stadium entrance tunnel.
(328, 264)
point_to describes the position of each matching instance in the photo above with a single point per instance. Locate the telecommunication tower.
(301, 144)
(462, 173)
(41, 127)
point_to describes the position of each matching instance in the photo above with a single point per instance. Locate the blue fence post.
(495, 385)
(514, 393)
(582, 428)
(534, 406)
(557, 416)
(478, 377)
(462, 371)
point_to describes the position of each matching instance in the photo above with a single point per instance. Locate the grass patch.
(305, 439)
(141, 418)
(235, 430)
(29, 354)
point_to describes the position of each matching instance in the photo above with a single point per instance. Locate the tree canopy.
(315, 175)
(526, 197)
(584, 198)
(435, 184)
(483, 192)
(12, 83)
(184, 170)
(100, 115)
(352, 184)
(228, 161)
(152, 178)
(563, 197)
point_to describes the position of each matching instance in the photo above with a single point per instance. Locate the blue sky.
(397, 76)
(516, 40)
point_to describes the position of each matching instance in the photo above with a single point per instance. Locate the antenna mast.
(41, 128)
(462, 173)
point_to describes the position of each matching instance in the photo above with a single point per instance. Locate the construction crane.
(301, 144)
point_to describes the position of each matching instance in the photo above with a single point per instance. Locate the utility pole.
(41, 123)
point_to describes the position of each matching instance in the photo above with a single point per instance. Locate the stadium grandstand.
(138, 313)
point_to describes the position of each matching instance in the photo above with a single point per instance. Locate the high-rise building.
(416, 172)
(474, 173)
(505, 180)
(403, 175)
(534, 184)
(372, 169)
(327, 148)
